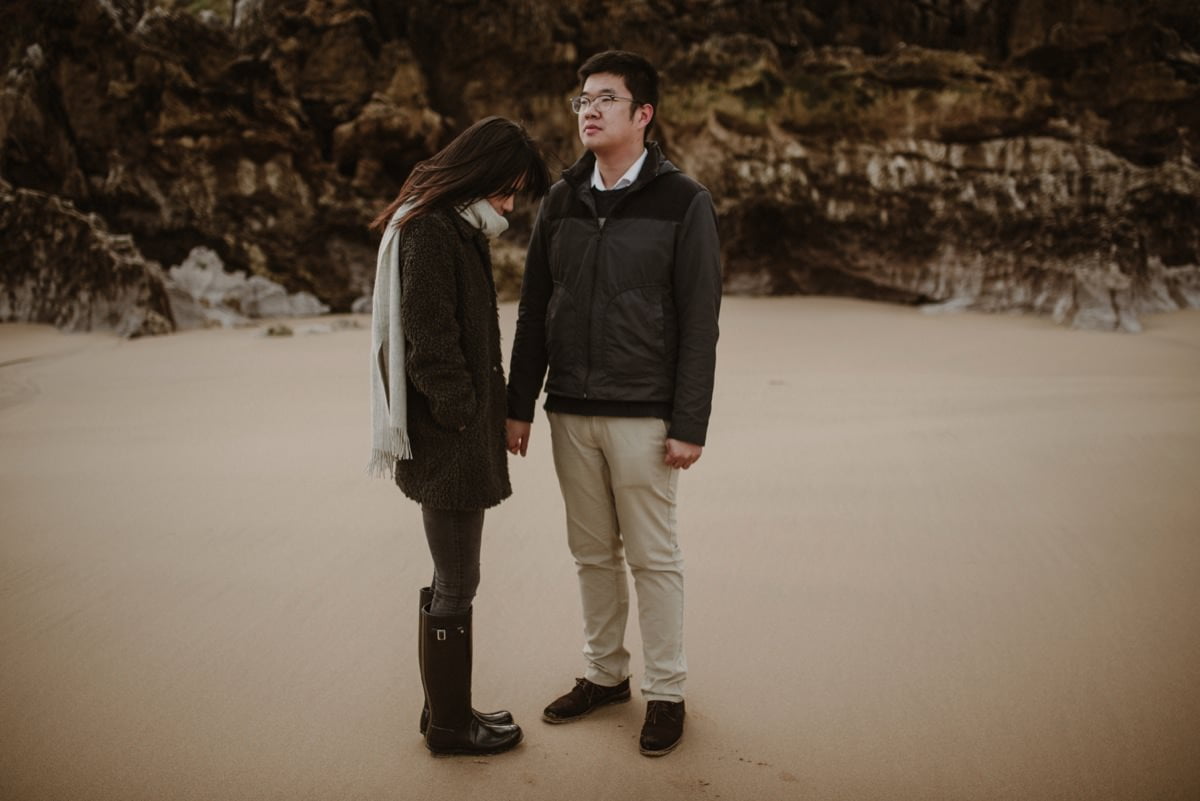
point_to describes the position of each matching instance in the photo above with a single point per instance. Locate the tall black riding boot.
(502, 716)
(446, 670)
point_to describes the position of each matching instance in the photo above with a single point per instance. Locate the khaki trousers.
(620, 503)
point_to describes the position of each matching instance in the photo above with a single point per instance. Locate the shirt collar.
(625, 180)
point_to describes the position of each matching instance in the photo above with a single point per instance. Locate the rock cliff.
(63, 267)
(1033, 155)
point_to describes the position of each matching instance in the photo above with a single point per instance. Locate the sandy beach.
(928, 557)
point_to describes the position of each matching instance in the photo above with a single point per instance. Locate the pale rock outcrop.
(203, 294)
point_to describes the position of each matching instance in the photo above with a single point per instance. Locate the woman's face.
(503, 204)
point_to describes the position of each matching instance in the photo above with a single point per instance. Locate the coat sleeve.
(429, 300)
(697, 295)
(527, 369)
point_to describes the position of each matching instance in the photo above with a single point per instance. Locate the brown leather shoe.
(582, 699)
(663, 728)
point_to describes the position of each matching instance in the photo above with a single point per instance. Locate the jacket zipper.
(587, 199)
(587, 376)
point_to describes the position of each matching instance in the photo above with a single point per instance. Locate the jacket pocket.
(454, 413)
(562, 332)
(635, 333)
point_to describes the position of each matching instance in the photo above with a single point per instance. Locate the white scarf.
(389, 420)
(481, 215)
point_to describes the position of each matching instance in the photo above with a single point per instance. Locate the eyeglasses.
(601, 103)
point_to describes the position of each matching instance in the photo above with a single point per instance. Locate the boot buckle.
(441, 634)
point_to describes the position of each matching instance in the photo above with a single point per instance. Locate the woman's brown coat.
(456, 388)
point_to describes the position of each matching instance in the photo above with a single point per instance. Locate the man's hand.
(679, 453)
(517, 434)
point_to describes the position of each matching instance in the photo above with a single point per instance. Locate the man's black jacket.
(624, 311)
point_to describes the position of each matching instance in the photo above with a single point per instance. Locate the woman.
(438, 395)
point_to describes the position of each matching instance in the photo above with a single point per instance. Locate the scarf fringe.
(383, 459)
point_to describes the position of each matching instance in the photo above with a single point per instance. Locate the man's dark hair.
(638, 73)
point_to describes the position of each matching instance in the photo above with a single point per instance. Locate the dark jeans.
(454, 540)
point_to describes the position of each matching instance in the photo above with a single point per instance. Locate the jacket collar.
(579, 174)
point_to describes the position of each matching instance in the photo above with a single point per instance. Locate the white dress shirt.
(625, 180)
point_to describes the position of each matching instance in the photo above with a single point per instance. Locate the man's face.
(612, 129)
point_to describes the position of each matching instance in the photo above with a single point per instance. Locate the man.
(620, 299)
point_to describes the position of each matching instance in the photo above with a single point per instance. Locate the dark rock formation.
(952, 182)
(1035, 155)
(160, 124)
(62, 267)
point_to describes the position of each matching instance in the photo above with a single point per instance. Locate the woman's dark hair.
(638, 73)
(495, 156)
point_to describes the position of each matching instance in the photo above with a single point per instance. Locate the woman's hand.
(517, 434)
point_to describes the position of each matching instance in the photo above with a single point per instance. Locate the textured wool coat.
(456, 388)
